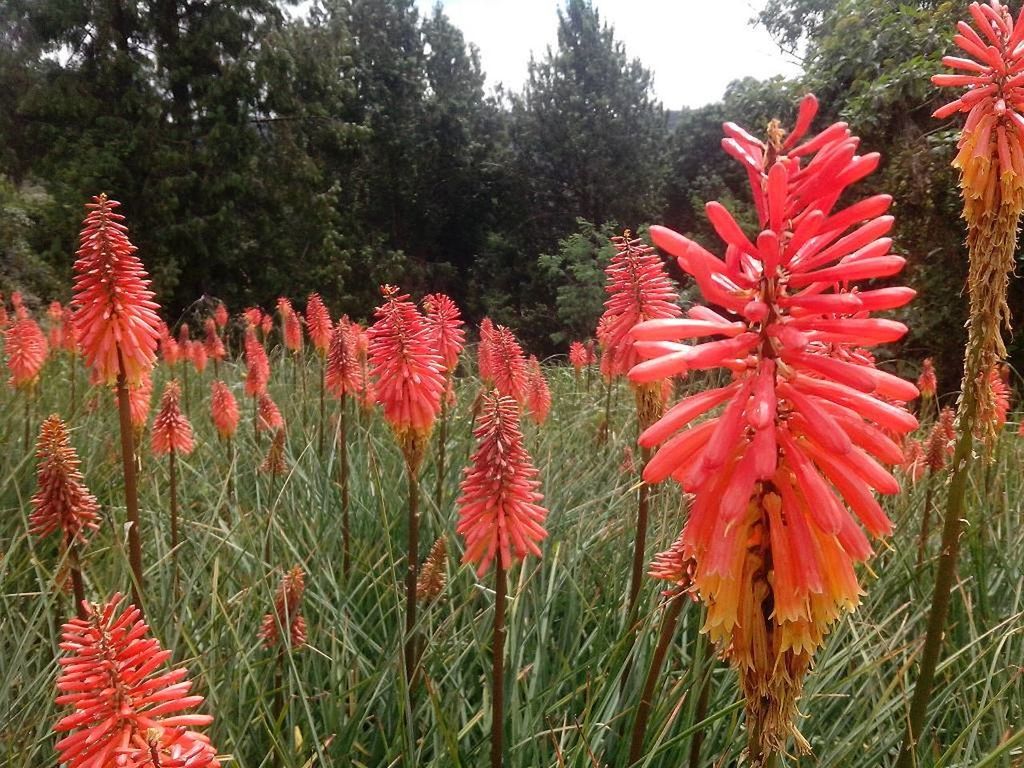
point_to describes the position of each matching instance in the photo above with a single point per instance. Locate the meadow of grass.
(345, 699)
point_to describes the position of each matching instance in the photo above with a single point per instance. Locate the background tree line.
(258, 153)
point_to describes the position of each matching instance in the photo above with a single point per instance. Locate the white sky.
(695, 48)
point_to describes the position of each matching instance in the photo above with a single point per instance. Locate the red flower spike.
(26, 350)
(125, 711)
(639, 289)
(270, 419)
(782, 476)
(253, 318)
(483, 352)
(407, 372)
(319, 323)
(171, 428)
(444, 322)
(213, 343)
(139, 398)
(68, 335)
(287, 613)
(55, 330)
(114, 314)
(223, 410)
(993, 76)
(926, 382)
(580, 356)
(197, 354)
(538, 396)
(291, 325)
(258, 366)
(220, 314)
(508, 364)
(499, 514)
(61, 501)
(343, 375)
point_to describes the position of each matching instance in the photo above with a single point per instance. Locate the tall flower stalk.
(62, 502)
(172, 436)
(26, 349)
(343, 380)
(321, 328)
(448, 337)
(990, 159)
(783, 472)
(502, 521)
(638, 289)
(118, 329)
(282, 630)
(409, 381)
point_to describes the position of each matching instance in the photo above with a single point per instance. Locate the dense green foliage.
(260, 153)
(567, 635)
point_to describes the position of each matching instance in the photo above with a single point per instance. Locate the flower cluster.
(115, 316)
(444, 324)
(172, 431)
(61, 501)
(318, 321)
(538, 395)
(257, 365)
(26, 349)
(499, 514)
(407, 371)
(784, 471)
(125, 712)
(639, 289)
(343, 374)
(580, 356)
(287, 614)
(223, 410)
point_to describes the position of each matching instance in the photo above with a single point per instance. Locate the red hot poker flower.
(508, 364)
(287, 613)
(213, 343)
(292, 325)
(926, 382)
(197, 353)
(444, 322)
(125, 711)
(258, 366)
(407, 371)
(538, 396)
(639, 289)
(343, 375)
(578, 356)
(115, 315)
(26, 349)
(68, 335)
(172, 431)
(782, 475)
(223, 410)
(499, 514)
(275, 463)
(61, 501)
(253, 317)
(318, 321)
(55, 331)
(139, 398)
(270, 419)
(484, 350)
(220, 314)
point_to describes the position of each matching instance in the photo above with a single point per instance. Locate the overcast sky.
(694, 47)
